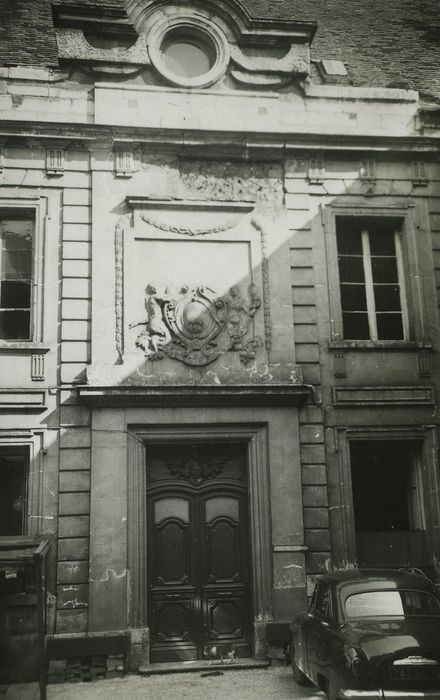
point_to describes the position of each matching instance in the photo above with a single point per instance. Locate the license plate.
(414, 673)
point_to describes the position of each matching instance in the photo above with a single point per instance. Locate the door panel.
(173, 549)
(227, 616)
(173, 603)
(223, 552)
(225, 578)
(198, 561)
(174, 619)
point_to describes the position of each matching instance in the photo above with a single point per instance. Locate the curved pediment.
(195, 45)
(234, 12)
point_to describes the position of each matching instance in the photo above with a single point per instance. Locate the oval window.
(188, 52)
(188, 56)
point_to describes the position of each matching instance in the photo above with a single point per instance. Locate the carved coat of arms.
(197, 468)
(196, 326)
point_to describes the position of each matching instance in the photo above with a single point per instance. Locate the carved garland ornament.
(119, 274)
(196, 326)
(185, 231)
(266, 285)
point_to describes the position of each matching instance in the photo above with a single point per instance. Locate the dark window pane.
(351, 269)
(15, 295)
(349, 243)
(16, 250)
(15, 325)
(387, 297)
(19, 229)
(380, 470)
(382, 243)
(389, 326)
(384, 269)
(16, 265)
(14, 242)
(13, 474)
(355, 326)
(353, 297)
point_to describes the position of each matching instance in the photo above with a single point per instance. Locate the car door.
(318, 631)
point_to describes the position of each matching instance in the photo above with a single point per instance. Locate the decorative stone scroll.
(270, 70)
(195, 326)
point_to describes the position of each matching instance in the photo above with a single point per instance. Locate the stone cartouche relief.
(194, 232)
(195, 326)
(247, 350)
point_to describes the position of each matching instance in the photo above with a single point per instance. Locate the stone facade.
(186, 292)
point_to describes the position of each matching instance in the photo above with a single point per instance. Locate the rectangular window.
(386, 482)
(388, 503)
(14, 467)
(16, 271)
(371, 278)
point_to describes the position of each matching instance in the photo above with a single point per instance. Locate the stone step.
(202, 666)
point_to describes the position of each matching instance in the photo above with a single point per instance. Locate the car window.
(322, 601)
(391, 603)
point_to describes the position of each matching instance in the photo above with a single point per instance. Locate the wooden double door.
(199, 593)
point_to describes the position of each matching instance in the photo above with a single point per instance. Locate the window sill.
(23, 347)
(380, 345)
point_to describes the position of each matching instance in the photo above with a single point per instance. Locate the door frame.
(260, 536)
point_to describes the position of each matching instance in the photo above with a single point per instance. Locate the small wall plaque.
(419, 177)
(367, 174)
(316, 171)
(54, 162)
(123, 163)
(37, 368)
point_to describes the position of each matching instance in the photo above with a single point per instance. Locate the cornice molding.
(240, 145)
(203, 395)
(143, 202)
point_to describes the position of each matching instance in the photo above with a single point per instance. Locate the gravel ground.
(275, 683)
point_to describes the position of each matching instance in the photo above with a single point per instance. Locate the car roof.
(401, 578)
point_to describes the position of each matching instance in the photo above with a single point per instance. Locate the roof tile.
(26, 33)
(392, 43)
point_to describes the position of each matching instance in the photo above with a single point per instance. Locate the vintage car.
(370, 634)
